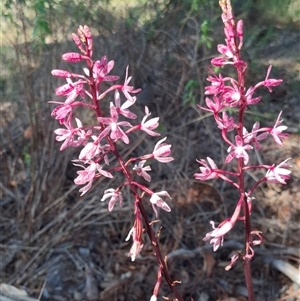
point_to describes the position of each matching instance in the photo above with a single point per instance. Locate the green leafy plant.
(189, 92)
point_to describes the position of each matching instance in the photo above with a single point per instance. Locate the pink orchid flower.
(87, 175)
(279, 173)
(114, 196)
(162, 151)
(142, 171)
(207, 172)
(123, 109)
(156, 200)
(148, 126)
(238, 151)
(114, 127)
(137, 244)
(276, 131)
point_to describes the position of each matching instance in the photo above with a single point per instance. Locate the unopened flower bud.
(81, 34)
(61, 73)
(64, 90)
(223, 49)
(72, 57)
(218, 61)
(77, 40)
(88, 36)
(239, 30)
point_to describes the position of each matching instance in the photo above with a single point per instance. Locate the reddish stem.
(158, 254)
(241, 183)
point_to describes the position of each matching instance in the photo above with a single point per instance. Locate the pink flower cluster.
(225, 93)
(99, 142)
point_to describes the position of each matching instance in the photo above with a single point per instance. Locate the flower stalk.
(101, 142)
(98, 143)
(228, 92)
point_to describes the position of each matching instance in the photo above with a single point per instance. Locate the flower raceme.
(100, 143)
(224, 93)
(87, 87)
